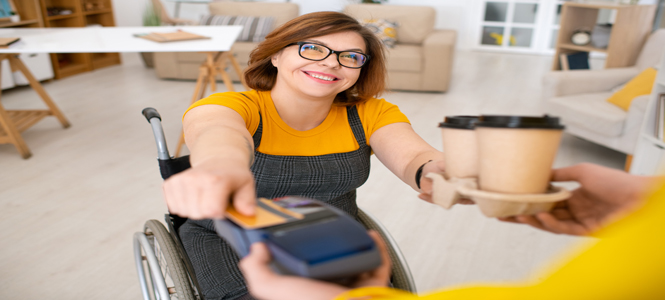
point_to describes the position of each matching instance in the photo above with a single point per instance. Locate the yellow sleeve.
(247, 108)
(376, 113)
(628, 262)
(378, 293)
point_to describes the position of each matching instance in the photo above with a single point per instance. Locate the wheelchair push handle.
(150, 113)
(155, 121)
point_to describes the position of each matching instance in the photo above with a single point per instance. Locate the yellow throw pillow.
(638, 86)
(385, 30)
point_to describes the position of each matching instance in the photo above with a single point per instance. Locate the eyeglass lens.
(347, 58)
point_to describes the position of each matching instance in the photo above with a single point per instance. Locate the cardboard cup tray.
(447, 192)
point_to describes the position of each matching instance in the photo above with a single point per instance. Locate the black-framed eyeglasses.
(318, 52)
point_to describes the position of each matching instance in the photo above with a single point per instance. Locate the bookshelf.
(39, 64)
(78, 13)
(30, 14)
(632, 26)
(649, 157)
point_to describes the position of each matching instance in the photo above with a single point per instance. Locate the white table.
(103, 40)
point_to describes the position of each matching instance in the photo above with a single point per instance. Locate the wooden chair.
(166, 19)
(13, 122)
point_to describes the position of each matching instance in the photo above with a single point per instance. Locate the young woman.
(307, 128)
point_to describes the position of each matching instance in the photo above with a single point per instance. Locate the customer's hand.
(605, 195)
(436, 166)
(204, 191)
(265, 284)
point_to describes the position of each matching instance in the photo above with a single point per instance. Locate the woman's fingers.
(244, 199)
(530, 220)
(381, 275)
(426, 197)
(255, 266)
(556, 225)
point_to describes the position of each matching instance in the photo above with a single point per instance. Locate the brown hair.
(261, 74)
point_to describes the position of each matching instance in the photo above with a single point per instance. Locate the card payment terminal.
(306, 237)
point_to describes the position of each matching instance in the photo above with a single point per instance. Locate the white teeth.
(317, 76)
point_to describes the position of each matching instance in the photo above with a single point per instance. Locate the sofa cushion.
(638, 86)
(385, 30)
(415, 22)
(282, 12)
(405, 58)
(254, 29)
(589, 111)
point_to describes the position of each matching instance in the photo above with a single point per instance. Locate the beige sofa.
(182, 65)
(579, 97)
(422, 58)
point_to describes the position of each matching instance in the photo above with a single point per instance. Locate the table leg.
(13, 136)
(18, 64)
(221, 69)
(236, 67)
(213, 65)
(210, 64)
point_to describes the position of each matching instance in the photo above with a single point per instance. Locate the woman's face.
(318, 79)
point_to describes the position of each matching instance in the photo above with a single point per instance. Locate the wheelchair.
(165, 271)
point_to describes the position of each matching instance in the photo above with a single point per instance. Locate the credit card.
(266, 214)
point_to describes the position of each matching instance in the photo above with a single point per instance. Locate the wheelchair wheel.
(165, 270)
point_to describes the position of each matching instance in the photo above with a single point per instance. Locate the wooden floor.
(70, 211)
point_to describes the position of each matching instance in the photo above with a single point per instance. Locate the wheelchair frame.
(165, 271)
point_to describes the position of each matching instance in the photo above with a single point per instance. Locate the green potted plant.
(150, 18)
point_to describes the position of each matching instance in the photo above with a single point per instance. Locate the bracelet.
(419, 173)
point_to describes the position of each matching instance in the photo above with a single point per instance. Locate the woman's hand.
(265, 284)
(605, 195)
(436, 166)
(203, 192)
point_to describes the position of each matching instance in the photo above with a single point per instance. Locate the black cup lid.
(459, 122)
(544, 122)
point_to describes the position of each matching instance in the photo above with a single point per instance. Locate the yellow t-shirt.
(334, 135)
(628, 262)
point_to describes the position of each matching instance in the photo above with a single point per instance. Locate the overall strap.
(356, 125)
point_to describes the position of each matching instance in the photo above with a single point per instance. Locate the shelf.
(97, 12)
(108, 59)
(632, 25)
(652, 139)
(71, 69)
(61, 17)
(582, 48)
(600, 5)
(24, 119)
(20, 23)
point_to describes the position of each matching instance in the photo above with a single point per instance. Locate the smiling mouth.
(321, 77)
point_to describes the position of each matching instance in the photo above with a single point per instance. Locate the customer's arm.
(604, 196)
(627, 263)
(221, 152)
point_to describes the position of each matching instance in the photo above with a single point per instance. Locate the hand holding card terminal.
(306, 237)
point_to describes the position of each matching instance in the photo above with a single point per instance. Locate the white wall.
(460, 15)
(451, 14)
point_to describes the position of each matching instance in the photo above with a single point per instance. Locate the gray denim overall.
(332, 178)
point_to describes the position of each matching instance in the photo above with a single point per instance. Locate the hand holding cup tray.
(502, 163)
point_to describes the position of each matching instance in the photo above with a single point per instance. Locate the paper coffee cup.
(516, 153)
(460, 147)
